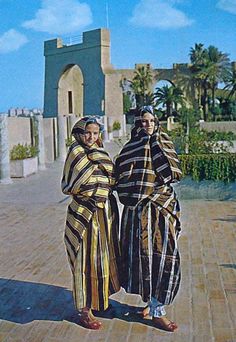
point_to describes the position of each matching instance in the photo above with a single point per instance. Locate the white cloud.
(227, 5)
(60, 17)
(12, 40)
(159, 14)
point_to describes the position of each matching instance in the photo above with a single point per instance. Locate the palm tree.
(169, 97)
(188, 84)
(198, 59)
(217, 65)
(197, 55)
(141, 85)
(230, 81)
(208, 68)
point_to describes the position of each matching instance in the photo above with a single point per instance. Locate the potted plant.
(24, 160)
(116, 129)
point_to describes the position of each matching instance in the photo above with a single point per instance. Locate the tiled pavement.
(35, 284)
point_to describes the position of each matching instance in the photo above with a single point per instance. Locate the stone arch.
(165, 80)
(79, 81)
(71, 91)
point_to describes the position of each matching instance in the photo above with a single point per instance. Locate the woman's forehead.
(147, 115)
(92, 127)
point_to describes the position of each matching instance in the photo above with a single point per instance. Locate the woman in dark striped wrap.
(91, 232)
(145, 169)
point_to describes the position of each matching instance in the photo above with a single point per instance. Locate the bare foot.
(164, 323)
(145, 313)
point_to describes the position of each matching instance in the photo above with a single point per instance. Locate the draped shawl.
(145, 161)
(145, 169)
(88, 176)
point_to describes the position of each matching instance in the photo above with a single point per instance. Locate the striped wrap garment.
(91, 231)
(145, 169)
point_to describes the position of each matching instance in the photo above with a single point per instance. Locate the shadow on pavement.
(233, 266)
(124, 312)
(229, 218)
(23, 302)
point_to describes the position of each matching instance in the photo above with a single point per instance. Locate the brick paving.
(35, 286)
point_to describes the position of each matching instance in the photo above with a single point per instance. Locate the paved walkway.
(35, 284)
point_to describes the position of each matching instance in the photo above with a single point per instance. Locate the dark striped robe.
(91, 232)
(145, 169)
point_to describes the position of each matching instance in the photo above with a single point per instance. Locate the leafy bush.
(201, 141)
(216, 135)
(216, 167)
(25, 151)
(116, 126)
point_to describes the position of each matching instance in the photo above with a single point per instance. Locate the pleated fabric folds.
(150, 227)
(92, 224)
(150, 257)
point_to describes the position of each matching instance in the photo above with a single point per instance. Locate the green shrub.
(217, 135)
(116, 126)
(201, 141)
(216, 167)
(23, 152)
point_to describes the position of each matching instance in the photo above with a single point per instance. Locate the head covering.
(147, 109)
(138, 119)
(144, 162)
(80, 127)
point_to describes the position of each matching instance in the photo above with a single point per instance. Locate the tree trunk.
(204, 104)
(168, 109)
(213, 96)
(187, 138)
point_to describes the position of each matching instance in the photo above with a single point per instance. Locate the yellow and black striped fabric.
(150, 225)
(92, 224)
(95, 270)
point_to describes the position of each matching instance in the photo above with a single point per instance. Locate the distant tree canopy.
(198, 89)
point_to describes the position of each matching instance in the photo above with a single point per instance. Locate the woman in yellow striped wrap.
(150, 261)
(91, 232)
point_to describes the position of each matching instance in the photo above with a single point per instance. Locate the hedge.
(216, 167)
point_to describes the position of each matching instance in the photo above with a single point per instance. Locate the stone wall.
(50, 139)
(19, 131)
(90, 56)
(114, 99)
(189, 189)
(221, 126)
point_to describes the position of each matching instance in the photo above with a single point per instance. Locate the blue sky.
(160, 32)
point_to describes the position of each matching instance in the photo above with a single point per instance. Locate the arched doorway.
(71, 91)
(70, 102)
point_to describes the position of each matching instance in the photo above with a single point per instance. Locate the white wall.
(18, 131)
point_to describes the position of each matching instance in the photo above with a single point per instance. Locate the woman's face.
(90, 135)
(148, 123)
